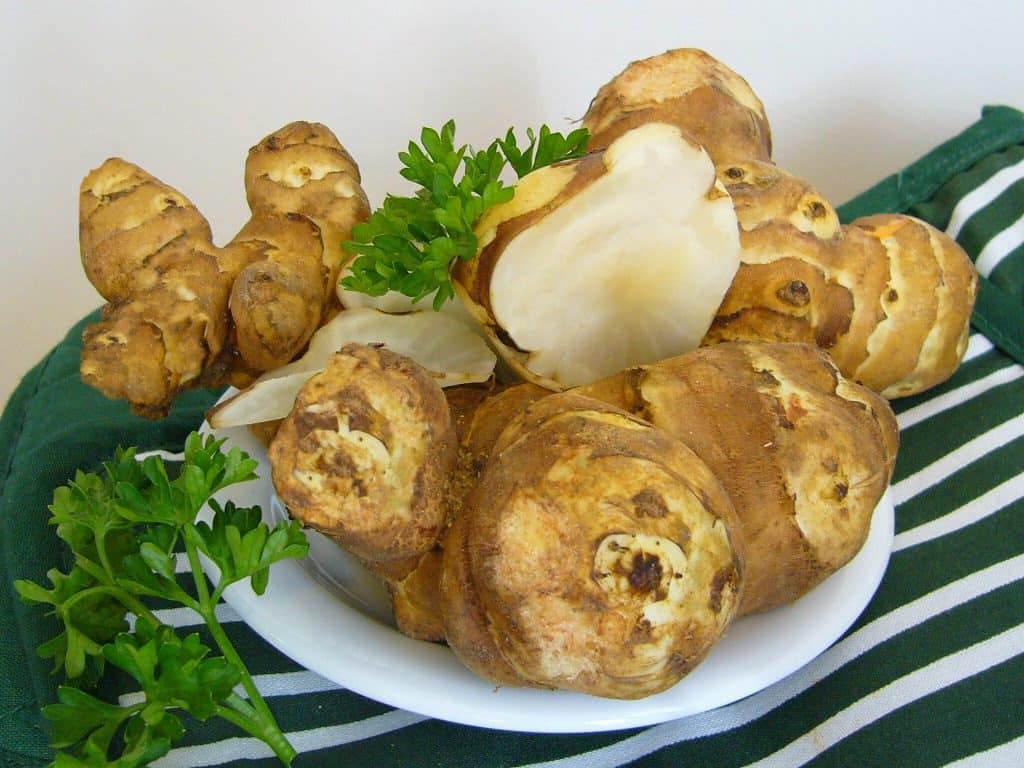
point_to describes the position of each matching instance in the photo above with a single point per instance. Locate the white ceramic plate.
(329, 615)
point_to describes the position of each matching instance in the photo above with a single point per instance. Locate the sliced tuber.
(615, 259)
(447, 347)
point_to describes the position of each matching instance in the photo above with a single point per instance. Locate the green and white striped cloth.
(932, 674)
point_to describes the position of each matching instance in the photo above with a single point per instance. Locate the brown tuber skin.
(688, 88)
(804, 454)
(653, 577)
(365, 456)
(416, 599)
(479, 413)
(481, 432)
(791, 457)
(303, 173)
(889, 296)
(182, 312)
(148, 252)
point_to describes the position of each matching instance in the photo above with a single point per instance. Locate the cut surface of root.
(628, 270)
(441, 343)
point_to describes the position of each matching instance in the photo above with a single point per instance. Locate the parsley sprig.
(410, 243)
(124, 527)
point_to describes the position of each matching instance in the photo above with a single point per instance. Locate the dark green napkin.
(930, 674)
(53, 425)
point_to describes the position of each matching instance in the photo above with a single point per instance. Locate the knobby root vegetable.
(692, 90)
(482, 429)
(276, 301)
(618, 258)
(416, 599)
(148, 251)
(365, 455)
(183, 312)
(804, 454)
(889, 296)
(300, 170)
(594, 555)
(479, 414)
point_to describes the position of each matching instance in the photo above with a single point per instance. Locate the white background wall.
(853, 91)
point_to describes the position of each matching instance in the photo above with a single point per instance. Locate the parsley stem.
(125, 598)
(99, 536)
(270, 731)
(242, 715)
(248, 723)
(137, 607)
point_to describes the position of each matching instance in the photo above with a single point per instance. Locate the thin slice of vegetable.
(442, 342)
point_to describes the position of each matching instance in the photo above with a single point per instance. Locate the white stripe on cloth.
(982, 195)
(1008, 755)
(248, 748)
(977, 345)
(293, 683)
(969, 452)
(165, 455)
(977, 509)
(186, 617)
(181, 563)
(269, 685)
(916, 685)
(959, 395)
(759, 704)
(999, 247)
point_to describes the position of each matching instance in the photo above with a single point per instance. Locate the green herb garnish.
(410, 243)
(124, 527)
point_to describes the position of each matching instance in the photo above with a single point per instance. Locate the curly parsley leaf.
(409, 244)
(127, 526)
(90, 616)
(244, 547)
(545, 148)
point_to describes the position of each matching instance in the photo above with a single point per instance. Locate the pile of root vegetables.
(688, 422)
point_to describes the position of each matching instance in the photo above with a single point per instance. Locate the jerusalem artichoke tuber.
(183, 312)
(612, 260)
(890, 297)
(594, 555)
(804, 454)
(365, 455)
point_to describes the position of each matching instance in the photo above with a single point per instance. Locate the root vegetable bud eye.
(645, 569)
(625, 263)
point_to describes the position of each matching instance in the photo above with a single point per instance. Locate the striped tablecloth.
(932, 674)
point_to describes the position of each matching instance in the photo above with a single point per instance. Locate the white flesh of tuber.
(629, 270)
(448, 347)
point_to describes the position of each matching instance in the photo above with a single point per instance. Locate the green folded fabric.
(53, 425)
(930, 674)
